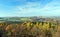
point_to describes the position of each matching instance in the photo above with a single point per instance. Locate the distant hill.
(19, 19)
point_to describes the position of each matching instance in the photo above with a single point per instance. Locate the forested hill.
(32, 19)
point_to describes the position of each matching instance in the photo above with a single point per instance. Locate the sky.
(26, 8)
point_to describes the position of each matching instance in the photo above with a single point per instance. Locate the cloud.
(28, 8)
(50, 9)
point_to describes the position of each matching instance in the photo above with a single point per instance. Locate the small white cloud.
(28, 8)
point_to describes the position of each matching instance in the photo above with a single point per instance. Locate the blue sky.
(23, 8)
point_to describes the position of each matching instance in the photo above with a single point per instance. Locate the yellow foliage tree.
(40, 26)
(46, 26)
(28, 25)
(37, 25)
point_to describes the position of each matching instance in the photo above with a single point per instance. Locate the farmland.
(30, 26)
